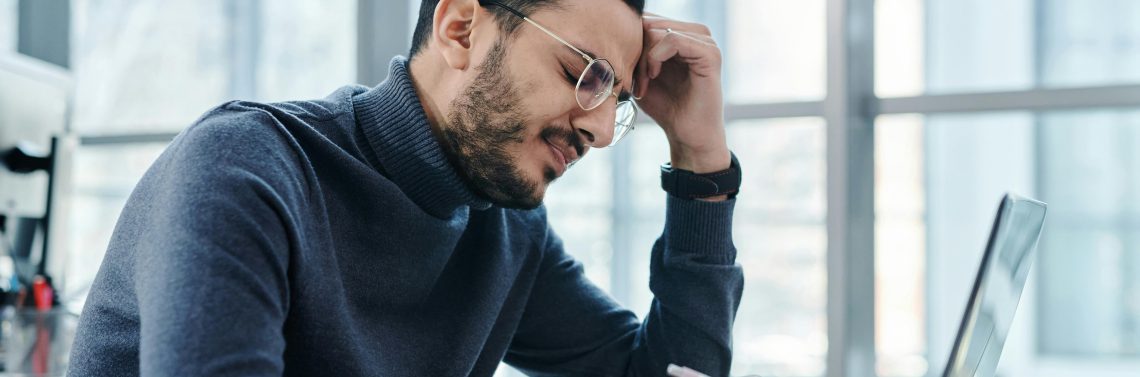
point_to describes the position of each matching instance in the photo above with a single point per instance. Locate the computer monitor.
(997, 289)
(35, 106)
(35, 102)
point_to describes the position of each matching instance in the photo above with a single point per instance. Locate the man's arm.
(205, 241)
(697, 287)
(571, 327)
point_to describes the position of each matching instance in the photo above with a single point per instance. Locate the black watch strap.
(688, 185)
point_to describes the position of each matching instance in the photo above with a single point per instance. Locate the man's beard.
(484, 120)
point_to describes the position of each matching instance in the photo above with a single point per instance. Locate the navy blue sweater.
(334, 238)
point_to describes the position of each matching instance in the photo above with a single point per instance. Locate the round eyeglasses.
(595, 84)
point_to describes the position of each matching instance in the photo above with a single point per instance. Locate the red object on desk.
(41, 356)
(42, 293)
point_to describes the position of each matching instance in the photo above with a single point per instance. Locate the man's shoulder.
(335, 105)
(235, 130)
(244, 121)
(237, 121)
(237, 141)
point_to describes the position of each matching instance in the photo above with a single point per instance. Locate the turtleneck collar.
(395, 126)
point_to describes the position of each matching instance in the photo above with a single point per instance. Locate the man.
(398, 230)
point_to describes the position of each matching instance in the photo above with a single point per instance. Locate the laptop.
(997, 288)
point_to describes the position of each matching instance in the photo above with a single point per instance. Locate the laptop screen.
(997, 288)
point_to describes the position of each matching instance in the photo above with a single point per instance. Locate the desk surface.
(35, 343)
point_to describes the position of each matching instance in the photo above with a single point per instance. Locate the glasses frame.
(620, 129)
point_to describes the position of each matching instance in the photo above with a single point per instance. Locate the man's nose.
(597, 126)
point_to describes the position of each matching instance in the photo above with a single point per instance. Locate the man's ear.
(451, 29)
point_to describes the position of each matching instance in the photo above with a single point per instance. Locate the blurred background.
(927, 109)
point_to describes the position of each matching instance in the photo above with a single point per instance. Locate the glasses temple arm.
(551, 34)
(544, 30)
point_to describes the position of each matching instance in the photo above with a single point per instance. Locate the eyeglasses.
(595, 84)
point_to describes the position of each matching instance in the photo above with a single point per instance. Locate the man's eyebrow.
(571, 48)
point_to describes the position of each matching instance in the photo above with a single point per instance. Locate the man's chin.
(518, 199)
(515, 192)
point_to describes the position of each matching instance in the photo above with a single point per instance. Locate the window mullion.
(850, 188)
(244, 18)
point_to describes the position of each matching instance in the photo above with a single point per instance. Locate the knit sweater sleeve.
(205, 237)
(212, 264)
(571, 327)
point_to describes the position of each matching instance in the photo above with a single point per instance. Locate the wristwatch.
(688, 185)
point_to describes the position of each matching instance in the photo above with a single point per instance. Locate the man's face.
(517, 126)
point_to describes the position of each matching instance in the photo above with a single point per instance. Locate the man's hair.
(508, 22)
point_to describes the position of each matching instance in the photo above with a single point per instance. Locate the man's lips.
(561, 156)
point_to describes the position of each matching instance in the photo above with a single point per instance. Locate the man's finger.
(698, 37)
(655, 27)
(643, 65)
(702, 58)
(642, 71)
(653, 22)
(679, 371)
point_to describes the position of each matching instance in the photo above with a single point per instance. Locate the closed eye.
(569, 76)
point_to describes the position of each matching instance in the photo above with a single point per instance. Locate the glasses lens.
(595, 84)
(626, 114)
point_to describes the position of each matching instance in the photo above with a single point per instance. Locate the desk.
(35, 343)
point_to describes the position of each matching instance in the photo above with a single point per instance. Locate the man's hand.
(678, 84)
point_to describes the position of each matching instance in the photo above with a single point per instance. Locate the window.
(1089, 42)
(1080, 162)
(938, 177)
(580, 211)
(775, 49)
(148, 65)
(306, 48)
(780, 232)
(980, 45)
(900, 244)
(943, 46)
(1090, 172)
(939, 181)
(154, 66)
(8, 25)
(779, 228)
(147, 69)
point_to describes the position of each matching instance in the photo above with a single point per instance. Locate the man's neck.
(420, 70)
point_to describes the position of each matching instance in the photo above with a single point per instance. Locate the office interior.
(876, 139)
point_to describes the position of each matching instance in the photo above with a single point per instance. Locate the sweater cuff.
(700, 228)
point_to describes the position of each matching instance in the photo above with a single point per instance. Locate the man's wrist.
(714, 186)
(718, 198)
(700, 161)
(700, 227)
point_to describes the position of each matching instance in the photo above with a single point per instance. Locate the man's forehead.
(605, 29)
